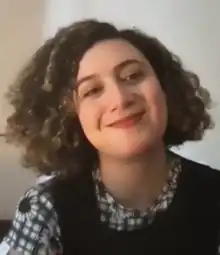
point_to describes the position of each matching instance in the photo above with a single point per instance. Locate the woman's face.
(119, 100)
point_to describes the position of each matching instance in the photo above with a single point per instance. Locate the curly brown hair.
(44, 122)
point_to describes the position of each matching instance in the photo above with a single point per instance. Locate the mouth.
(128, 121)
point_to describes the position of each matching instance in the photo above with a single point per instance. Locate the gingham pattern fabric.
(120, 218)
(35, 229)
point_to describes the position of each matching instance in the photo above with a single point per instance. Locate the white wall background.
(189, 28)
(21, 25)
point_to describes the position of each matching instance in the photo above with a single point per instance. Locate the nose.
(119, 97)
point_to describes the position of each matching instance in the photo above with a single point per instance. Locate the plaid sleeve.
(35, 227)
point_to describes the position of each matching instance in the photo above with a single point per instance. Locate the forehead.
(105, 55)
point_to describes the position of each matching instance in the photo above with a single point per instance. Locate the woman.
(98, 109)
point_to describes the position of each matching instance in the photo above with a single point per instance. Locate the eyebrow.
(116, 68)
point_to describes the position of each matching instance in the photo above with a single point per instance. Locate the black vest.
(189, 226)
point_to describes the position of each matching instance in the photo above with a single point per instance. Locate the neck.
(135, 182)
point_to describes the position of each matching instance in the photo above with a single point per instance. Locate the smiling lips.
(127, 122)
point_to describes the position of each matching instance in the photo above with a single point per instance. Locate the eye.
(92, 92)
(132, 76)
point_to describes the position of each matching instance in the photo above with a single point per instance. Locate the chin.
(132, 151)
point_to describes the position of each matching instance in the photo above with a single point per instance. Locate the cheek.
(156, 101)
(89, 118)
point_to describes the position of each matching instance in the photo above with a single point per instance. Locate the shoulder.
(201, 175)
(36, 203)
(35, 221)
(199, 168)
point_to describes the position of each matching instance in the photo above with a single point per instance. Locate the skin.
(116, 81)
